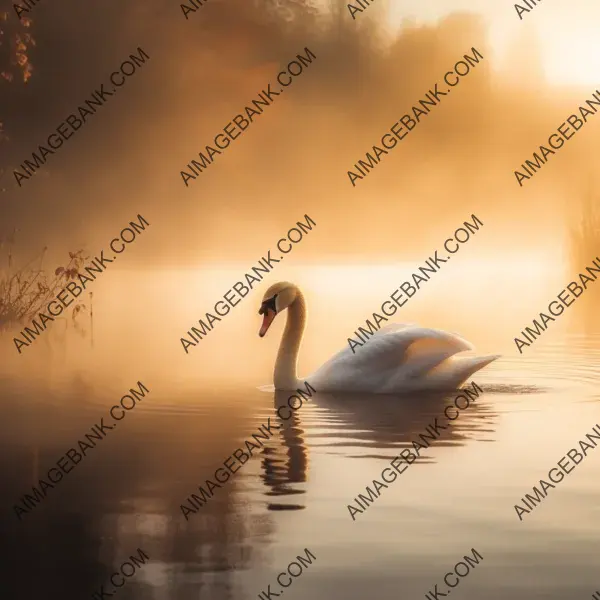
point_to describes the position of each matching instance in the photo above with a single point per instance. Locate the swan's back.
(400, 358)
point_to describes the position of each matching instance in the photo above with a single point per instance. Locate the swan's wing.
(394, 327)
(390, 348)
(347, 353)
(383, 355)
(457, 370)
(426, 353)
(420, 358)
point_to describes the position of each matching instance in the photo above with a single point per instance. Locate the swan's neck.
(285, 377)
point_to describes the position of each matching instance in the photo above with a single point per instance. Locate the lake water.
(293, 494)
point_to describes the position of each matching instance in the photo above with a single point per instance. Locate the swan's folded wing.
(394, 327)
(420, 359)
(390, 349)
(458, 369)
(383, 353)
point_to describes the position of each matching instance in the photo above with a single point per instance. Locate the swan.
(398, 358)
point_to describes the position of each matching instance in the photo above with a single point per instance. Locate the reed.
(584, 231)
(584, 243)
(26, 291)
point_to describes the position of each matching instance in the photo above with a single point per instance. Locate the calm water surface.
(294, 493)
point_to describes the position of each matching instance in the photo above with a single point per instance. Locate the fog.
(292, 161)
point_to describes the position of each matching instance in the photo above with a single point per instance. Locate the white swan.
(398, 358)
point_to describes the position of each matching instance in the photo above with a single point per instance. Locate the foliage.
(26, 292)
(16, 42)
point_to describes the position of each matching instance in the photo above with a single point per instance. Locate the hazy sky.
(567, 31)
(127, 160)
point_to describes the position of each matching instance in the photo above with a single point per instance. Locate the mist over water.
(141, 331)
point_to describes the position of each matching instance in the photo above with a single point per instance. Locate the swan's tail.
(458, 370)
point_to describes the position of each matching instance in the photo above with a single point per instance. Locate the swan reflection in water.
(285, 458)
(372, 426)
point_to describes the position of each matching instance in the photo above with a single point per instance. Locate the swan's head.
(276, 299)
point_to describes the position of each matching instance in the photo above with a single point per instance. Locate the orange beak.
(268, 318)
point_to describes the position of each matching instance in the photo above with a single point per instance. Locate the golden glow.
(483, 299)
(487, 300)
(569, 43)
(575, 58)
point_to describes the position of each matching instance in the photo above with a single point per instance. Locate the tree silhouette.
(15, 43)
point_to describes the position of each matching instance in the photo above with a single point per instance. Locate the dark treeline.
(203, 71)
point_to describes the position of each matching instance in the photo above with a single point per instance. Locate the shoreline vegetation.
(584, 243)
(25, 290)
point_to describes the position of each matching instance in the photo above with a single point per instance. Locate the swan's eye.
(268, 305)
